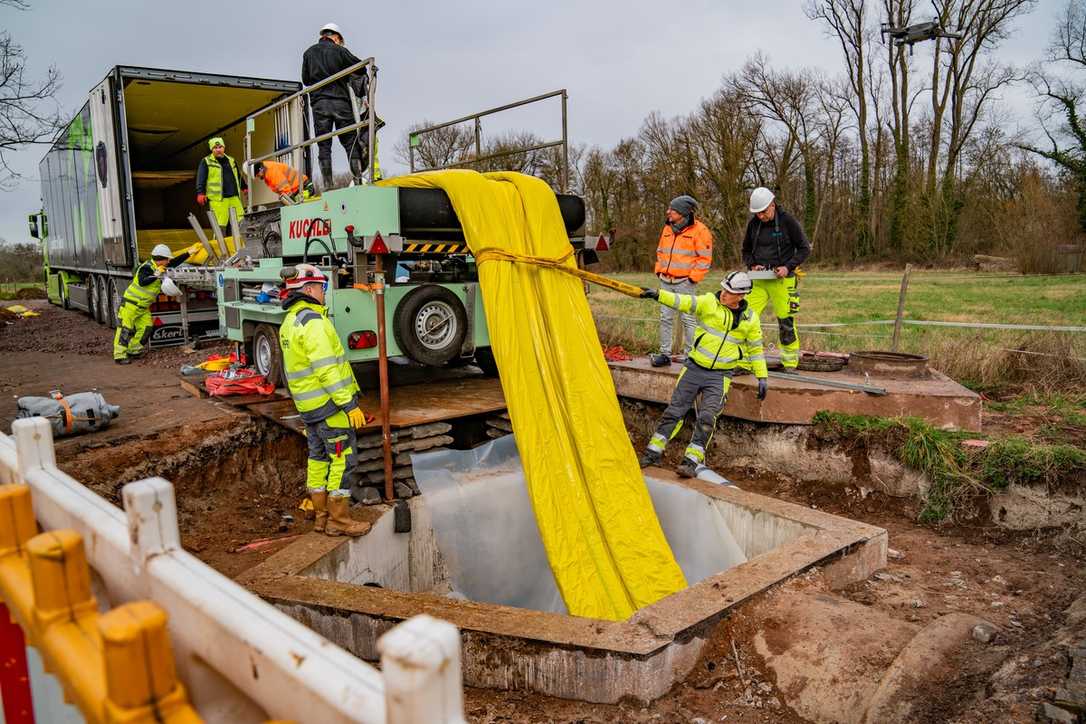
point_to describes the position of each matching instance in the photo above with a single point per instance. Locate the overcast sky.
(619, 59)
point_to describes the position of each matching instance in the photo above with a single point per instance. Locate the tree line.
(907, 154)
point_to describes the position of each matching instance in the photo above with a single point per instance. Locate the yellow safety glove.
(357, 418)
(195, 249)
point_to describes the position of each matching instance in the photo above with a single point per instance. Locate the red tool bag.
(237, 382)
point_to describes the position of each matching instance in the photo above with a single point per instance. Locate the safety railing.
(369, 67)
(414, 137)
(239, 658)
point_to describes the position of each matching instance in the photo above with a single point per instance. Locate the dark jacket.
(780, 242)
(229, 188)
(325, 58)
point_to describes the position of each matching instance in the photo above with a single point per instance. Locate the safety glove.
(201, 199)
(763, 387)
(357, 418)
(647, 293)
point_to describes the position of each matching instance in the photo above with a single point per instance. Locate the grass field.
(983, 359)
(9, 290)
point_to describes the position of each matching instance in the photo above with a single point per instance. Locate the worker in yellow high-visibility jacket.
(134, 314)
(218, 183)
(323, 387)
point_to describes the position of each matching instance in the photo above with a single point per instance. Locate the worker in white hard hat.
(331, 104)
(775, 242)
(728, 337)
(134, 315)
(324, 390)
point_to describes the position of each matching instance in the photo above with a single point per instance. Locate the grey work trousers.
(667, 316)
(693, 380)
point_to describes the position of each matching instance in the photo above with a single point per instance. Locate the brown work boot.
(320, 509)
(339, 518)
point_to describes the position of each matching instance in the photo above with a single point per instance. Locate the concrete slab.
(939, 400)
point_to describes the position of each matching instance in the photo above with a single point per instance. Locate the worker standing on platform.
(683, 258)
(134, 315)
(331, 104)
(323, 387)
(729, 336)
(282, 179)
(219, 183)
(775, 241)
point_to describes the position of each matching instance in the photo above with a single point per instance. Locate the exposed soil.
(237, 479)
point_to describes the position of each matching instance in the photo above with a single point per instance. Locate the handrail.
(412, 136)
(369, 66)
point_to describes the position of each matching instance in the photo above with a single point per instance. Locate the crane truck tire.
(266, 355)
(430, 325)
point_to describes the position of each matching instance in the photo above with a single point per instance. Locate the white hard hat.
(269, 288)
(169, 288)
(161, 251)
(737, 282)
(331, 28)
(305, 274)
(760, 199)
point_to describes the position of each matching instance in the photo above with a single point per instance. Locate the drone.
(913, 34)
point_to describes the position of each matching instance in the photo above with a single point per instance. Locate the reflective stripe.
(309, 395)
(678, 265)
(702, 264)
(313, 366)
(695, 453)
(677, 304)
(304, 316)
(682, 252)
(756, 358)
(657, 443)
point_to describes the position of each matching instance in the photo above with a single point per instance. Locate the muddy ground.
(240, 480)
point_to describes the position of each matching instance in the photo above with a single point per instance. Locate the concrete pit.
(473, 557)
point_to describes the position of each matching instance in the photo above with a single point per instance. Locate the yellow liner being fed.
(603, 539)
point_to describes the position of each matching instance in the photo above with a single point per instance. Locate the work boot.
(357, 170)
(339, 518)
(660, 360)
(326, 173)
(320, 509)
(651, 457)
(122, 360)
(687, 468)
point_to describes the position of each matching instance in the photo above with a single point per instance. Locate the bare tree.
(29, 113)
(437, 149)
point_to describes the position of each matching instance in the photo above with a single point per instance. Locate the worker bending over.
(683, 257)
(218, 182)
(134, 316)
(323, 387)
(728, 336)
(775, 241)
(284, 180)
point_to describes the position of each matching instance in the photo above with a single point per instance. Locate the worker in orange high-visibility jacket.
(683, 257)
(282, 179)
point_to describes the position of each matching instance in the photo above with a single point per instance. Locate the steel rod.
(488, 111)
(900, 307)
(828, 383)
(382, 370)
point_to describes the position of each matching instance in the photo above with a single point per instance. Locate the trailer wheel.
(94, 295)
(267, 355)
(484, 357)
(114, 296)
(430, 325)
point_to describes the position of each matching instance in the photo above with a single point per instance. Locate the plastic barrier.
(240, 659)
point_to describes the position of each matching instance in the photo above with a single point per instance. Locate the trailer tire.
(484, 357)
(430, 325)
(114, 300)
(267, 356)
(93, 294)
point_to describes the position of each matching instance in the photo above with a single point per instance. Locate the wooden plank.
(194, 387)
(281, 412)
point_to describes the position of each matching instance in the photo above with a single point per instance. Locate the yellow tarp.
(603, 539)
(178, 240)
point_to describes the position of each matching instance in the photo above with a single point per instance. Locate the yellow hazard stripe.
(432, 248)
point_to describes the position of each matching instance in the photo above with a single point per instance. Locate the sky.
(619, 59)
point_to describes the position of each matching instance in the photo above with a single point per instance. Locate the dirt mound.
(30, 293)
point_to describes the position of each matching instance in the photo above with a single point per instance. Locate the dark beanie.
(684, 204)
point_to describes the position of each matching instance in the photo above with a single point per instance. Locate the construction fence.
(107, 619)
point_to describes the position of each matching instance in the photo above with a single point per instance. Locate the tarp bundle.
(603, 539)
(70, 414)
(238, 382)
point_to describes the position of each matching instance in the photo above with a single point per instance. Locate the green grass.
(8, 290)
(957, 475)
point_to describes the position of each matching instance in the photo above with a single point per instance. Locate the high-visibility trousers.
(694, 381)
(133, 329)
(221, 209)
(332, 444)
(783, 294)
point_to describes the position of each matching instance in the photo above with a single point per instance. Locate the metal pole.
(565, 144)
(371, 92)
(795, 377)
(478, 139)
(382, 369)
(900, 308)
